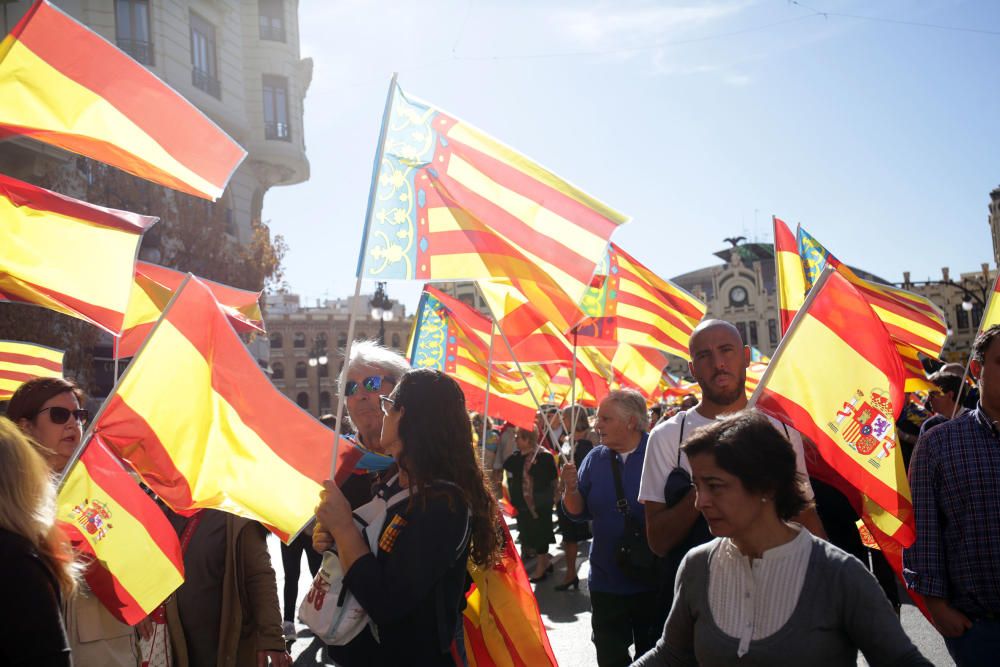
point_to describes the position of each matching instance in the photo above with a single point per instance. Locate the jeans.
(620, 621)
(979, 646)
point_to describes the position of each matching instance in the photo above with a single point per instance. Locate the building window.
(204, 58)
(277, 371)
(753, 333)
(299, 340)
(303, 400)
(272, 20)
(961, 318)
(341, 340)
(300, 370)
(132, 29)
(276, 108)
(323, 370)
(772, 332)
(276, 340)
(742, 328)
(395, 340)
(977, 315)
(320, 341)
(324, 401)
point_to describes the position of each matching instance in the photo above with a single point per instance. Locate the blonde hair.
(28, 504)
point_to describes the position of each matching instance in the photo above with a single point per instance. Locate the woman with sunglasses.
(48, 411)
(38, 563)
(531, 478)
(413, 588)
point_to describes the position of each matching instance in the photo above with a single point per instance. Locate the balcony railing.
(207, 82)
(141, 50)
(277, 131)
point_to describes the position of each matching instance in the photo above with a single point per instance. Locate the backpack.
(329, 609)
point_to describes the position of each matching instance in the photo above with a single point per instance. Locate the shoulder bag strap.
(680, 439)
(621, 504)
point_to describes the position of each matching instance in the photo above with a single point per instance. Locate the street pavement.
(566, 616)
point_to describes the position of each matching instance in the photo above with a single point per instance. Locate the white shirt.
(663, 452)
(754, 599)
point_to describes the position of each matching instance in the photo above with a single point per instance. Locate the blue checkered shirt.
(955, 481)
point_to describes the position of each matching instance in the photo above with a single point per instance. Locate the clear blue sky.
(700, 119)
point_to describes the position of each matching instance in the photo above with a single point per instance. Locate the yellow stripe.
(637, 369)
(52, 250)
(15, 347)
(822, 383)
(992, 314)
(127, 550)
(883, 520)
(31, 369)
(924, 332)
(466, 134)
(141, 308)
(37, 96)
(655, 282)
(791, 280)
(226, 463)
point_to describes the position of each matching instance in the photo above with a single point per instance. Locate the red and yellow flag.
(65, 85)
(20, 362)
(67, 255)
(134, 558)
(154, 286)
(790, 277)
(991, 315)
(452, 203)
(501, 618)
(196, 417)
(631, 304)
(838, 379)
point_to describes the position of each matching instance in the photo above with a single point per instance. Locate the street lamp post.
(381, 306)
(318, 359)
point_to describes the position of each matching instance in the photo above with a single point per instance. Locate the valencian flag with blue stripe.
(452, 203)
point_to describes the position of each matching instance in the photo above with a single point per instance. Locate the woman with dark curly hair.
(413, 588)
(766, 591)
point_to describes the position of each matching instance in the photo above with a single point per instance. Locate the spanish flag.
(791, 278)
(838, 379)
(134, 560)
(198, 419)
(152, 288)
(20, 362)
(991, 315)
(452, 203)
(501, 619)
(65, 85)
(67, 255)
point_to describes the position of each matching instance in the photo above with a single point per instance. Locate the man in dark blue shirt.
(955, 480)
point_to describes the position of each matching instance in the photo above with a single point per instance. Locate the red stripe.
(29, 360)
(508, 642)
(632, 268)
(660, 309)
(786, 319)
(558, 202)
(173, 122)
(132, 339)
(476, 643)
(789, 412)
(104, 585)
(302, 442)
(784, 240)
(501, 407)
(500, 259)
(901, 308)
(105, 318)
(540, 244)
(39, 199)
(109, 474)
(226, 295)
(17, 376)
(127, 434)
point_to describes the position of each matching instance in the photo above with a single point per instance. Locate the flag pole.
(351, 319)
(489, 384)
(115, 352)
(572, 401)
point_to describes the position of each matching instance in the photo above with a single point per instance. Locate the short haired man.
(719, 360)
(955, 482)
(943, 400)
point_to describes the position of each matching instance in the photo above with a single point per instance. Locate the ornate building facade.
(299, 335)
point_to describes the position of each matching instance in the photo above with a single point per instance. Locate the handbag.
(634, 557)
(329, 609)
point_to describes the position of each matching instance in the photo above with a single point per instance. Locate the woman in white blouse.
(766, 591)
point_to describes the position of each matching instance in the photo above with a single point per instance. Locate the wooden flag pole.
(572, 401)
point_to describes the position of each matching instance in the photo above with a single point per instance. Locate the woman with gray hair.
(605, 490)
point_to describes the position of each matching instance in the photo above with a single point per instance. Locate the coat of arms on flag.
(866, 424)
(94, 516)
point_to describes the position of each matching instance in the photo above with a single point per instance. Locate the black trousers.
(291, 563)
(620, 621)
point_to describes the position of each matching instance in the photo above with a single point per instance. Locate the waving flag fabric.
(20, 362)
(991, 315)
(135, 560)
(452, 203)
(65, 254)
(65, 85)
(791, 277)
(199, 420)
(154, 286)
(501, 618)
(837, 378)
(634, 305)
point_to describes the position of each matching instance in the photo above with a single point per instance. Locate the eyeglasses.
(371, 384)
(61, 415)
(386, 404)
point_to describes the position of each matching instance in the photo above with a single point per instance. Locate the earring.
(763, 500)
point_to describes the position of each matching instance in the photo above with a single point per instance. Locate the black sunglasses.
(62, 415)
(371, 384)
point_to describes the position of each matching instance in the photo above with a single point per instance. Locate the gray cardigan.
(841, 609)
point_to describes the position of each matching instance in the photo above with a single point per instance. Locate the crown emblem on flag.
(94, 517)
(866, 425)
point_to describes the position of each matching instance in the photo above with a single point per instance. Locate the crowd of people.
(715, 536)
